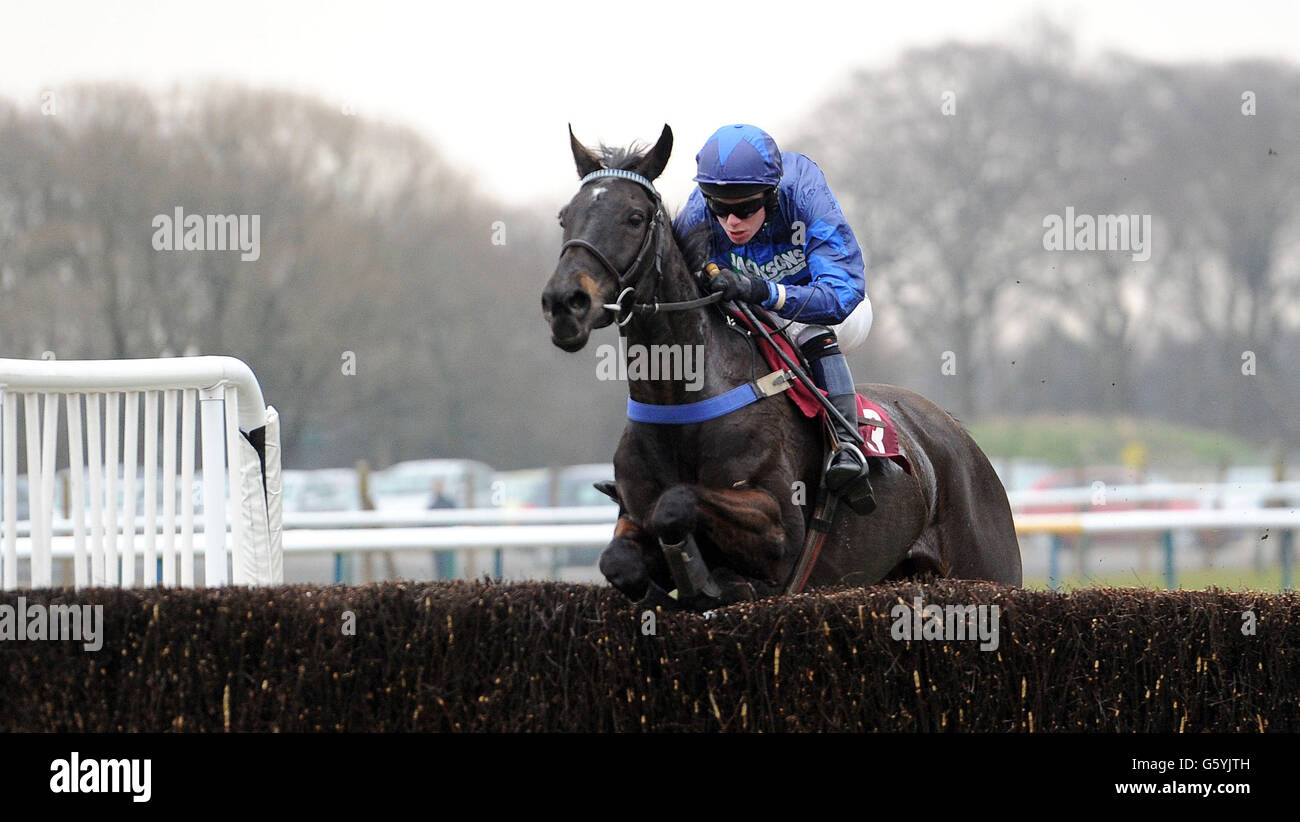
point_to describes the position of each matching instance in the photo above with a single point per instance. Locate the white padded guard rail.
(56, 376)
(256, 522)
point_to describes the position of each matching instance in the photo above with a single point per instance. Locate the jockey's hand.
(737, 286)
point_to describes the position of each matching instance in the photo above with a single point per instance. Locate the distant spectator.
(439, 498)
(444, 562)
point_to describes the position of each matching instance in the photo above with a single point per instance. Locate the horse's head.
(612, 228)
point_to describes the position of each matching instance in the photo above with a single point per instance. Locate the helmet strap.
(771, 205)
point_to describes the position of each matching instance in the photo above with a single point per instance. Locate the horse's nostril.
(579, 302)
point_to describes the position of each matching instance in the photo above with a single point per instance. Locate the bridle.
(632, 278)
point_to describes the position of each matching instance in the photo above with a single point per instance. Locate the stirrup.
(835, 485)
(855, 490)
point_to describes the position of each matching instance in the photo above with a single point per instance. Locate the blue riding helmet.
(738, 160)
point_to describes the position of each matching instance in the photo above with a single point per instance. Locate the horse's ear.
(610, 489)
(652, 165)
(585, 160)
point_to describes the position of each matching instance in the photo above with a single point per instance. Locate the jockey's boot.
(847, 472)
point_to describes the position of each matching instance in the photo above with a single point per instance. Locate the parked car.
(564, 487)
(292, 481)
(23, 506)
(410, 485)
(328, 489)
(63, 502)
(524, 488)
(574, 485)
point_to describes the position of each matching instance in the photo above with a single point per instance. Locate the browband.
(626, 175)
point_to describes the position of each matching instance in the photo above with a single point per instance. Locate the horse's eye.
(636, 218)
(560, 217)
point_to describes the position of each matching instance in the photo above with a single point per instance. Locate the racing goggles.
(742, 209)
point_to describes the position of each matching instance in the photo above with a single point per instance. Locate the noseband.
(630, 279)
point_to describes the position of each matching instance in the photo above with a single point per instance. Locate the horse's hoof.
(657, 597)
(702, 603)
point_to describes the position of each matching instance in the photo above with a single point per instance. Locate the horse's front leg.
(748, 527)
(633, 563)
(744, 525)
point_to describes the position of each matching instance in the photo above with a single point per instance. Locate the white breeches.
(851, 333)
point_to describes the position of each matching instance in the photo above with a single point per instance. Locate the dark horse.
(732, 483)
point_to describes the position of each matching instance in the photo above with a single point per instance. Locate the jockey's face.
(741, 231)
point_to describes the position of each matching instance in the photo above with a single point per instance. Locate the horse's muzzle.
(569, 311)
(570, 344)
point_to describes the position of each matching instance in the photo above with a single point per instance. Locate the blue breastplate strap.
(713, 407)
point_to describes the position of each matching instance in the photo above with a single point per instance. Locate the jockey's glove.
(737, 286)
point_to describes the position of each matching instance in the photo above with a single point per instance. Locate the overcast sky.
(493, 83)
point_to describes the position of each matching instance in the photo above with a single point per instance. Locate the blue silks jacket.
(824, 276)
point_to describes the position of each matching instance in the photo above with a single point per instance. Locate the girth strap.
(713, 407)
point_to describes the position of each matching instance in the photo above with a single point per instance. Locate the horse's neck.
(699, 337)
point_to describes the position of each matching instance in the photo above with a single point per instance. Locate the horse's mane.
(621, 157)
(695, 246)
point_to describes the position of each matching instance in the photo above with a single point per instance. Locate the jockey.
(781, 242)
